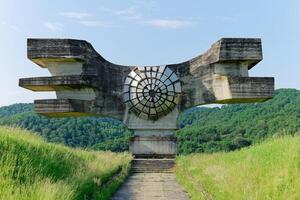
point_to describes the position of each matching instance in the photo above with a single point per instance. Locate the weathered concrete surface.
(152, 165)
(148, 99)
(151, 186)
(198, 77)
(150, 146)
(59, 83)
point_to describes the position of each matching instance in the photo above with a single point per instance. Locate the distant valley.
(201, 129)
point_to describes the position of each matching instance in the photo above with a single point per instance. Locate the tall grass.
(270, 170)
(32, 169)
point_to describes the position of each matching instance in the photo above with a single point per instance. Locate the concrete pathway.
(151, 186)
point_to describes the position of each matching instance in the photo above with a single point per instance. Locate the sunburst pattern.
(151, 92)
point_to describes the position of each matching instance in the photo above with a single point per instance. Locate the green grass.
(270, 170)
(32, 169)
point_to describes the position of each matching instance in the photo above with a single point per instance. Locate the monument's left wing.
(85, 83)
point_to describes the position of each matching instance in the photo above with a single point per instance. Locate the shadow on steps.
(140, 165)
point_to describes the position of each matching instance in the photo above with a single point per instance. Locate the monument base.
(153, 146)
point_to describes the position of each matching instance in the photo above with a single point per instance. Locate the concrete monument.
(148, 99)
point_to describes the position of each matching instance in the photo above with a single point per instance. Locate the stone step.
(153, 165)
(151, 171)
(151, 186)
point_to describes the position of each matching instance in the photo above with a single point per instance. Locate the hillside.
(32, 169)
(270, 170)
(234, 126)
(202, 129)
(108, 134)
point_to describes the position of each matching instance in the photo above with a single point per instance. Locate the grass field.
(32, 169)
(270, 170)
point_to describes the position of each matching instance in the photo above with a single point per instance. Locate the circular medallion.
(151, 92)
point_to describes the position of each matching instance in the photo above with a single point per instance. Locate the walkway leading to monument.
(151, 179)
(151, 186)
(148, 99)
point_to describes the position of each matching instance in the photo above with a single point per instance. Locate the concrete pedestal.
(153, 139)
(153, 146)
(147, 98)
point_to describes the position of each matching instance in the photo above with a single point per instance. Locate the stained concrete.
(151, 186)
(152, 146)
(87, 84)
(198, 77)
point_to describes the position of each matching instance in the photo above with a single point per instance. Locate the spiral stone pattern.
(151, 92)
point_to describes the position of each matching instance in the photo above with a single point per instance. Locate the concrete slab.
(148, 99)
(151, 186)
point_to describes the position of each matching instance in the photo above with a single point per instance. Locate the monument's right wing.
(220, 75)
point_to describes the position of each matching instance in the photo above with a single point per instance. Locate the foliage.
(75, 132)
(202, 129)
(235, 126)
(269, 170)
(32, 169)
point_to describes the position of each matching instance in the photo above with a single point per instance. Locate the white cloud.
(11, 26)
(145, 3)
(15, 28)
(138, 12)
(230, 19)
(75, 15)
(53, 27)
(130, 13)
(169, 24)
(91, 23)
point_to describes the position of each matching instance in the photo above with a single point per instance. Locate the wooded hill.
(104, 133)
(202, 129)
(235, 126)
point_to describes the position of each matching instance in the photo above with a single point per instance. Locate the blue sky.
(138, 32)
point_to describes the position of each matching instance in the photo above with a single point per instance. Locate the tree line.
(202, 129)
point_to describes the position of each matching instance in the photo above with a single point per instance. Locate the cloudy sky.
(140, 32)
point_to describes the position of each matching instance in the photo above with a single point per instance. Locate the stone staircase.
(152, 165)
(151, 179)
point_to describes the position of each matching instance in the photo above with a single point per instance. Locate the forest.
(201, 129)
